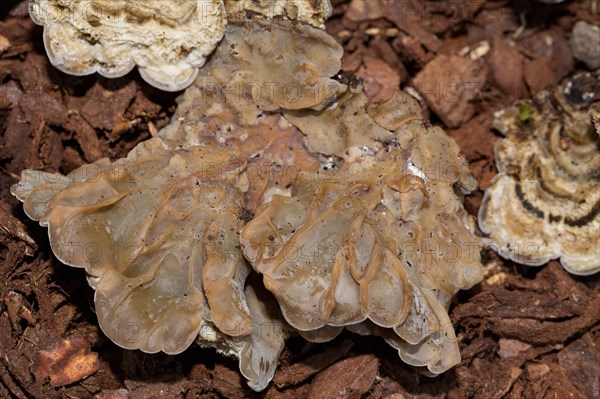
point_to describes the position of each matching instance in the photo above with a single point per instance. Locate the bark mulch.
(523, 332)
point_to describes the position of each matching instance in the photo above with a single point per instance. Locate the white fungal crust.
(314, 12)
(545, 201)
(384, 238)
(167, 40)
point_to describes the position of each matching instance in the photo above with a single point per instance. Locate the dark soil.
(523, 332)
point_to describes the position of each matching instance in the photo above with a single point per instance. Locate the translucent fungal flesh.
(276, 65)
(158, 235)
(255, 214)
(545, 202)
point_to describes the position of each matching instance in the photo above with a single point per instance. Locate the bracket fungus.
(256, 214)
(158, 235)
(167, 40)
(545, 202)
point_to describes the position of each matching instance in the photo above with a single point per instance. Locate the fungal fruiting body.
(545, 202)
(381, 242)
(167, 40)
(256, 214)
(314, 12)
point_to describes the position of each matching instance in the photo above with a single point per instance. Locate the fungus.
(150, 230)
(277, 65)
(158, 235)
(158, 231)
(545, 202)
(167, 40)
(380, 244)
(256, 214)
(314, 12)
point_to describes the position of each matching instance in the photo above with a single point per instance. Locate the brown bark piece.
(449, 84)
(11, 228)
(228, 383)
(348, 379)
(407, 16)
(511, 347)
(506, 65)
(580, 361)
(380, 80)
(539, 75)
(106, 102)
(167, 387)
(86, 137)
(502, 373)
(553, 45)
(548, 381)
(539, 312)
(113, 394)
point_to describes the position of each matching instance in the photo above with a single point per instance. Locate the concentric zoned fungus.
(545, 202)
(350, 213)
(167, 40)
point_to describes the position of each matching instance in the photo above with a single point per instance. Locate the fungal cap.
(308, 11)
(167, 40)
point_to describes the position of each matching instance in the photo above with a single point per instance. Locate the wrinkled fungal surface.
(545, 201)
(158, 235)
(256, 214)
(382, 238)
(167, 40)
(135, 225)
(314, 12)
(272, 65)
